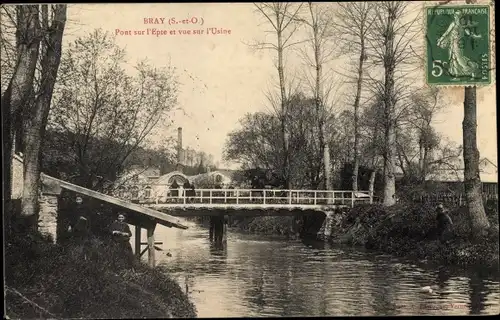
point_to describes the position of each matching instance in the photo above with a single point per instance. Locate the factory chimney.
(179, 149)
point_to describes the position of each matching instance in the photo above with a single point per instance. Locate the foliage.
(257, 143)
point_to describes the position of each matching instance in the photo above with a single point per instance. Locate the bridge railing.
(257, 196)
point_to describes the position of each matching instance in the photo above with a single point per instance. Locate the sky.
(221, 77)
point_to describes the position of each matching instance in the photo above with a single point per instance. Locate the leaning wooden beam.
(53, 185)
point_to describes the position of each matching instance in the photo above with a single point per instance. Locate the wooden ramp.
(51, 185)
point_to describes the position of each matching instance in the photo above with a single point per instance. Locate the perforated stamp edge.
(433, 4)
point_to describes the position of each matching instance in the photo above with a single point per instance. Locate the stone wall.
(17, 177)
(47, 222)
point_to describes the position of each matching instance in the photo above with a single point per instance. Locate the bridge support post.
(328, 224)
(218, 229)
(211, 230)
(151, 246)
(137, 242)
(224, 229)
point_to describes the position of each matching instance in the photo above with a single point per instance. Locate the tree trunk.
(20, 85)
(36, 120)
(357, 99)
(389, 103)
(421, 157)
(284, 112)
(472, 181)
(371, 186)
(427, 152)
(389, 176)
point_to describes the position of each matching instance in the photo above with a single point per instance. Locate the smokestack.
(179, 145)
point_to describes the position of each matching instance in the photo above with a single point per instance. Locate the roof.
(139, 215)
(167, 179)
(488, 172)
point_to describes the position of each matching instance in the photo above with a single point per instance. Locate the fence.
(256, 196)
(450, 199)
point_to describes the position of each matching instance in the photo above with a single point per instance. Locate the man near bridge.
(121, 235)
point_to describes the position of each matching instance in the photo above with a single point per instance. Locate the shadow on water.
(478, 292)
(218, 251)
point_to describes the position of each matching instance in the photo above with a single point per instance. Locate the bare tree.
(352, 24)
(390, 40)
(103, 113)
(316, 54)
(35, 120)
(8, 50)
(282, 16)
(20, 87)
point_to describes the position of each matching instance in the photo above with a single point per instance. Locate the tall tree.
(20, 87)
(35, 119)
(390, 41)
(319, 24)
(282, 16)
(352, 23)
(472, 181)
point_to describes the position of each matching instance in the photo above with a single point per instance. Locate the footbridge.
(186, 203)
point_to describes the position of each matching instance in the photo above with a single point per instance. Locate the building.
(453, 178)
(211, 180)
(136, 183)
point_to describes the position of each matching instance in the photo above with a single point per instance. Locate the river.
(258, 276)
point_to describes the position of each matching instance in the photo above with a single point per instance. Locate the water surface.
(257, 276)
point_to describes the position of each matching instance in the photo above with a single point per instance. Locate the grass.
(49, 280)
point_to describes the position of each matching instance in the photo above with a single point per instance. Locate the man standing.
(444, 223)
(121, 235)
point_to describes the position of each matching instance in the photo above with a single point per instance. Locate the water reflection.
(253, 276)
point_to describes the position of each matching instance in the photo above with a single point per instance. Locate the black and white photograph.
(249, 159)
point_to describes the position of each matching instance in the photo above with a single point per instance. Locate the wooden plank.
(165, 218)
(143, 251)
(151, 247)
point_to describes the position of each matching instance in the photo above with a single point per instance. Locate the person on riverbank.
(121, 236)
(444, 224)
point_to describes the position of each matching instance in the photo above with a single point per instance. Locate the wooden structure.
(137, 215)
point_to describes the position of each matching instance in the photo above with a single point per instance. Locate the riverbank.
(51, 281)
(404, 230)
(409, 231)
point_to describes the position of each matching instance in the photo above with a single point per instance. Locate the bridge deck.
(252, 199)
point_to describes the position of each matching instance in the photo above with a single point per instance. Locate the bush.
(409, 230)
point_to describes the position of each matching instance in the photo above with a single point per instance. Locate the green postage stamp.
(458, 45)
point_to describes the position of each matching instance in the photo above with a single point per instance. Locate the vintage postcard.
(182, 160)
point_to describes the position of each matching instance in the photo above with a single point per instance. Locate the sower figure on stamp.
(121, 236)
(459, 64)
